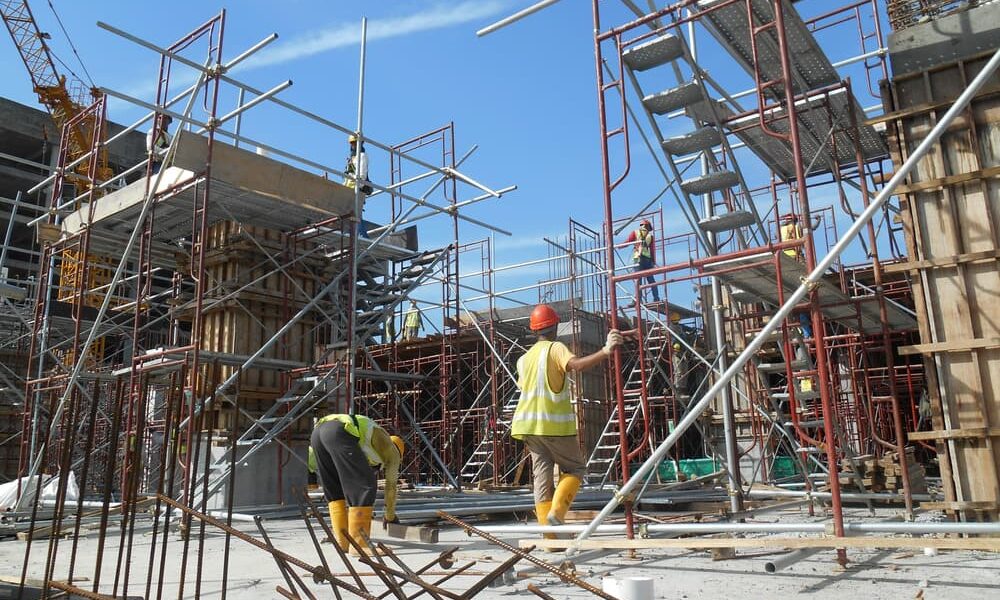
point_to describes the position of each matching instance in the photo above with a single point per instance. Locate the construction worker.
(791, 230)
(644, 253)
(389, 331)
(158, 140)
(356, 173)
(545, 419)
(348, 449)
(413, 322)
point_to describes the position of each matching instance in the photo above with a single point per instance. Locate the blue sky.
(525, 95)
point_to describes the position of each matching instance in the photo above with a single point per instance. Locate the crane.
(64, 99)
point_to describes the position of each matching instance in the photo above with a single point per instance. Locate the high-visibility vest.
(413, 318)
(642, 245)
(790, 232)
(541, 411)
(360, 427)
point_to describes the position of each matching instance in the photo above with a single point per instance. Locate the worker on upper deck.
(348, 449)
(644, 254)
(791, 230)
(158, 140)
(356, 174)
(545, 418)
(413, 322)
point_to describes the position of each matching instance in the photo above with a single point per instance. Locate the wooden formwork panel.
(245, 258)
(951, 217)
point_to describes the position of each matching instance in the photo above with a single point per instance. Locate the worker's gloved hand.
(614, 339)
(386, 519)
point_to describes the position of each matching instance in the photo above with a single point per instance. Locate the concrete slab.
(244, 187)
(946, 39)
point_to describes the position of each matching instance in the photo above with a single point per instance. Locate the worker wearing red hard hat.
(644, 254)
(545, 419)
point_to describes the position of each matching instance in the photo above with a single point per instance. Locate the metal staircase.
(379, 295)
(481, 458)
(729, 206)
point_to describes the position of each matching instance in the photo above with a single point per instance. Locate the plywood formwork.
(951, 214)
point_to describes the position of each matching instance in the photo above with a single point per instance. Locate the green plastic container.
(784, 467)
(690, 467)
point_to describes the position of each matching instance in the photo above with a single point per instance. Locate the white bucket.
(629, 588)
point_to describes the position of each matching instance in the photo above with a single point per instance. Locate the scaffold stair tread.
(776, 367)
(710, 182)
(810, 395)
(727, 221)
(698, 140)
(809, 423)
(673, 99)
(654, 53)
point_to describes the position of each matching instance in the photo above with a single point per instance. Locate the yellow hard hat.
(677, 346)
(400, 445)
(352, 139)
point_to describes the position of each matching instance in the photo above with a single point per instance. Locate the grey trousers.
(549, 450)
(342, 466)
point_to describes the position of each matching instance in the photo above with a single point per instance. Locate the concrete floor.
(677, 574)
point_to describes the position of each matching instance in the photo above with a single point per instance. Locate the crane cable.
(72, 47)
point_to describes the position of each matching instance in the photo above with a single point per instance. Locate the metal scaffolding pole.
(808, 284)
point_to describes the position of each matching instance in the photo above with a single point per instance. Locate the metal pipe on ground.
(908, 528)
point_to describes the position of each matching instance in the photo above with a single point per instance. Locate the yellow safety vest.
(413, 318)
(541, 411)
(360, 427)
(790, 232)
(642, 245)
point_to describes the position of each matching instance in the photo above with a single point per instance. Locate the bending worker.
(545, 419)
(348, 449)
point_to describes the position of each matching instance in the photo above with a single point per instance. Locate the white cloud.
(316, 42)
(349, 34)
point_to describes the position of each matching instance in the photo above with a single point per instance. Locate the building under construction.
(813, 363)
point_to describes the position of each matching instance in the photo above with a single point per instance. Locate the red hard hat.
(543, 317)
(647, 223)
(789, 217)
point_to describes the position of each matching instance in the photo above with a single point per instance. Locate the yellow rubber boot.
(568, 486)
(359, 521)
(542, 510)
(338, 522)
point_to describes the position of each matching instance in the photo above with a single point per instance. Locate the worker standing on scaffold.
(643, 256)
(348, 449)
(545, 419)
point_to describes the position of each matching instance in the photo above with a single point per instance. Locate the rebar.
(560, 573)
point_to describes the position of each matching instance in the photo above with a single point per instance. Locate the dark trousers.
(644, 264)
(343, 468)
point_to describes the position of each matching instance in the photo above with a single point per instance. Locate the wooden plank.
(981, 543)
(951, 346)
(968, 505)
(950, 261)
(413, 533)
(940, 182)
(954, 434)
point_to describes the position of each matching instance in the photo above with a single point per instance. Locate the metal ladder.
(608, 448)
(480, 458)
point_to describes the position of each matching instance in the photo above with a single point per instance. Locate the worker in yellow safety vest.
(413, 322)
(791, 230)
(643, 254)
(347, 451)
(545, 418)
(356, 176)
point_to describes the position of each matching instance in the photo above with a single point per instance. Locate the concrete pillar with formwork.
(951, 219)
(257, 276)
